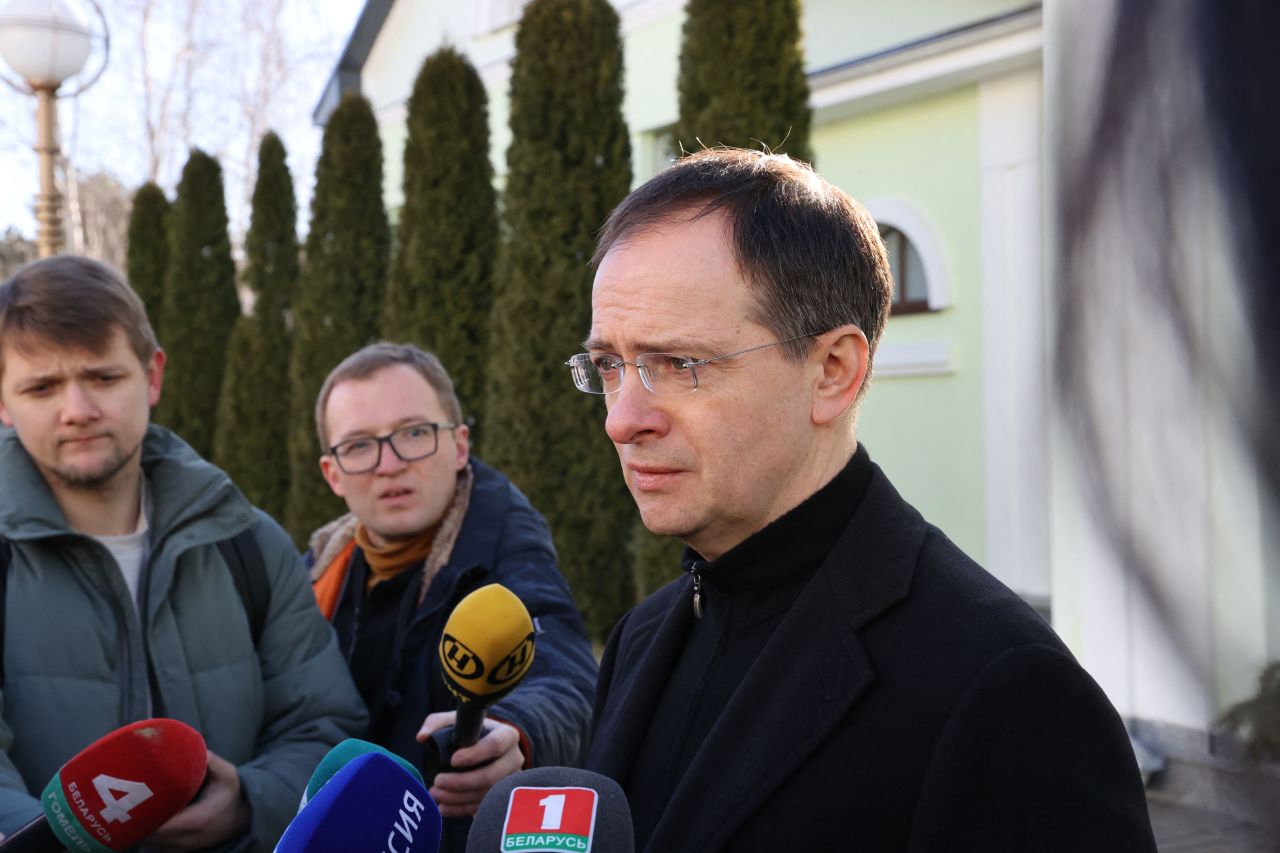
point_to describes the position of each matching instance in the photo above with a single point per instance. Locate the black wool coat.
(908, 702)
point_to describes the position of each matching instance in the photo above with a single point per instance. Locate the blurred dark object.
(1258, 719)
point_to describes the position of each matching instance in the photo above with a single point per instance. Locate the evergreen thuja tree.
(251, 444)
(199, 306)
(148, 250)
(742, 80)
(339, 299)
(655, 559)
(567, 167)
(441, 281)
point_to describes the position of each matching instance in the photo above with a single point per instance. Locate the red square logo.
(549, 820)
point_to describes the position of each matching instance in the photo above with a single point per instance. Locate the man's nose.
(78, 405)
(388, 461)
(634, 411)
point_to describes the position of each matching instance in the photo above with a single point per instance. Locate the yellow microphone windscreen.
(487, 645)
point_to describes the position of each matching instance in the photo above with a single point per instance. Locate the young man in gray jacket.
(119, 604)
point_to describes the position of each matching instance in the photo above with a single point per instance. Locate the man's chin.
(86, 479)
(663, 520)
(92, 476)
(403, 531)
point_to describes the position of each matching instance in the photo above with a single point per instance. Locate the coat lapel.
(629, 708)
(802, 686)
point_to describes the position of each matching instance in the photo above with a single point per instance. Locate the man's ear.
(462, 446)
(841, 358)
(332, 474)
(4, 415)
(155, 376)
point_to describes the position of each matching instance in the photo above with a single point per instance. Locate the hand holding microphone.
(475, 768)
(486, 649)
(117, 791)
(218, 813)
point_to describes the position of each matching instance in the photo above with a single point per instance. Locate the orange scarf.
(328, 587)
(394, 557)
(384, 564)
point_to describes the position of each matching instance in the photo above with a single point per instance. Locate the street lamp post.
(46, 43)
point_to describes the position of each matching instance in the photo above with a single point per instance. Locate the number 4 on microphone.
(550, 819)
(118, 808)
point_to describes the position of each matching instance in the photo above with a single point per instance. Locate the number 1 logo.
(550, 820)
(552, 811)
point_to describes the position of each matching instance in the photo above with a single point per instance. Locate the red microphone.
(117, 791)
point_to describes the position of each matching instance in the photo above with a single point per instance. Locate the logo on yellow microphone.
(462, 662)
(514, 665)
(487, 645)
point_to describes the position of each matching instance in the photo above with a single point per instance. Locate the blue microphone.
(372, 803)
(340, 756)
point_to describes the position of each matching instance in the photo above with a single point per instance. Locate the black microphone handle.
(36, 837)
(467, 728)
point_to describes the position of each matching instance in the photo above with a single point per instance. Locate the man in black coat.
(832, 673)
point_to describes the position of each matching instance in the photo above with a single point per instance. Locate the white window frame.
(903, 216)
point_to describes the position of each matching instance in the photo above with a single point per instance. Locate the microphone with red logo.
(486, 649)
(553, 808)
(117, 791)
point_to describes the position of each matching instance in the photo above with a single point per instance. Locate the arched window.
(919, 274)
(910, 284)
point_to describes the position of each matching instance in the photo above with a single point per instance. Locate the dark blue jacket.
(503, 539)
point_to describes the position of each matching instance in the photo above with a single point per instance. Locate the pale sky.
(103, 128)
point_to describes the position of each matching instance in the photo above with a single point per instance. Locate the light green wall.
(652, 57)
(836, 31)
(927, 432)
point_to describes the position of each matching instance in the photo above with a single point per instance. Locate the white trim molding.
(920, 358)
(929, 66)
(1015, 348)
(910, 221)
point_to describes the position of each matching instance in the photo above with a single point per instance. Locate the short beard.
(94, 481)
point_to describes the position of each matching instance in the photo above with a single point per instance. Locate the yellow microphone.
(486, 649)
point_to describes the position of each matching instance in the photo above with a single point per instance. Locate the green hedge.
(199, 305)
(339, 298)
(251, 444)
(569, 164)
(742, 80)
(440, 290)
(147, 254)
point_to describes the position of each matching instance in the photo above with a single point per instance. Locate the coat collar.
(805, 681)
(187, 493)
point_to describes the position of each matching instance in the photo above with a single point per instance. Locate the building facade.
(939, 115)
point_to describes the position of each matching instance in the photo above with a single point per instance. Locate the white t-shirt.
(130, 550)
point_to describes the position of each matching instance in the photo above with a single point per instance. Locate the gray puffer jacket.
(76, 659)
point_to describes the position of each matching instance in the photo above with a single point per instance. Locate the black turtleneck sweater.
(745, 595)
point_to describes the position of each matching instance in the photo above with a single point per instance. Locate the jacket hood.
(183, 487)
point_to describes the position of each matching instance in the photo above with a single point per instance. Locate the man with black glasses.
(427, 525)
(832, 673)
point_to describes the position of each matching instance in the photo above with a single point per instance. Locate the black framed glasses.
(409, 443)
(661, 372)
